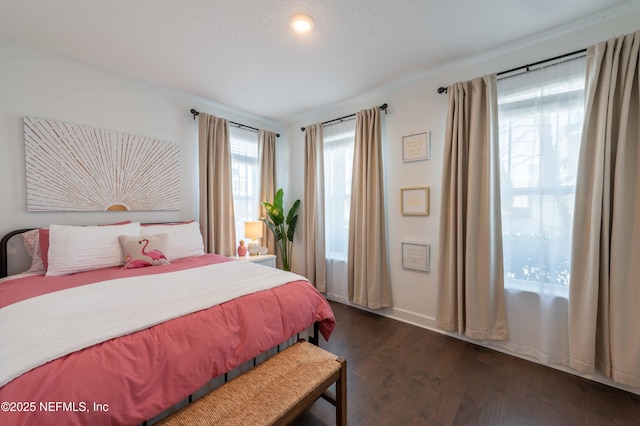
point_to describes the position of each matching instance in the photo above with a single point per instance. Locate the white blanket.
(43, 328)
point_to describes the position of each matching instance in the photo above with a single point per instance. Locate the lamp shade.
(253, 230)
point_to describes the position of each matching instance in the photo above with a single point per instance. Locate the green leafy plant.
(283, 228)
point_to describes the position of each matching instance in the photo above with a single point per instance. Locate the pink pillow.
(44, 246)
(140, 252)
(32, 245)
(44, 242)
(168, 223)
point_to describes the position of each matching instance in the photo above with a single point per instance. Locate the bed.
(117, 345)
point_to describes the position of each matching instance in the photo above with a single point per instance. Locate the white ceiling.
(243, 54)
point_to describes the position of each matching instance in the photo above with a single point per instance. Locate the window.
(540, 116)
(338, 141)
(244, 175)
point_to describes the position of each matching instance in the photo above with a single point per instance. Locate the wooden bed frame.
(4, 253)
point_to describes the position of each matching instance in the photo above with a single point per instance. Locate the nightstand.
(262, 259)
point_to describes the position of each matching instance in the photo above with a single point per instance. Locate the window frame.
(243, 160)
(344, 137)
(564, 104)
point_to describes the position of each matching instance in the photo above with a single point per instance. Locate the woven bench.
(272, 393)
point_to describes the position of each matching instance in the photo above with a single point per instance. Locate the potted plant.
(283, 228)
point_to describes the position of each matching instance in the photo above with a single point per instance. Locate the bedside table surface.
(258, 258)
(261, 259)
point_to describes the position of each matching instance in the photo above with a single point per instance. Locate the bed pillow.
(43, 241)
(184, 239)
(32, 245)
(75, 249)
(144, 251)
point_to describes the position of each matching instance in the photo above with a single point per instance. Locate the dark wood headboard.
(4, 253)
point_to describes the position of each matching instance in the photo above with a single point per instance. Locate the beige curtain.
(216, 197)
(470, 264)
(605, 286)
(367, 267)
(267, 167)
(313, 207)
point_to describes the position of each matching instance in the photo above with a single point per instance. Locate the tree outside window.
(540, 120)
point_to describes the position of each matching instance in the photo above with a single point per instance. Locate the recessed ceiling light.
(302, 23)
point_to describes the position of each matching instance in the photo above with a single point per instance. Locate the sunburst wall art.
(77, 168)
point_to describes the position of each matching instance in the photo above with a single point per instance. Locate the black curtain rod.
(444, 89)
(383, 107)
(197, 113)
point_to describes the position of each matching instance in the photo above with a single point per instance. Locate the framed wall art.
(416, 256)
(78, 168)
(415, 201)
(416, 147)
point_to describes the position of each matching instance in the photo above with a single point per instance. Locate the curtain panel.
(368, 270)
(267, 176)
(216, 193)
(313, 207)
(470, 264)
(540, 118)
(338, 140)
(604, 284)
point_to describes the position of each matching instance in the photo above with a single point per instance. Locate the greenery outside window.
(540, 115)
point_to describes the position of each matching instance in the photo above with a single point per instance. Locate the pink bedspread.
(132, 378)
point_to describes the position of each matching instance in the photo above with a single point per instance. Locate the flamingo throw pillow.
(144, 251)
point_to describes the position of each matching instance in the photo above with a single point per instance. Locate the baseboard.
(340, 299)
(403, 315)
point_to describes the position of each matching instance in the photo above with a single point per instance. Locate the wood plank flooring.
(399, 374)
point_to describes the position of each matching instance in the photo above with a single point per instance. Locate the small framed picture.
(415, 201)
(416, 256)
(416, 147)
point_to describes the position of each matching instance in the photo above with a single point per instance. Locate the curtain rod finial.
(442, 90)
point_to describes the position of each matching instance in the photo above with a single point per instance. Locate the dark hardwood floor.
(399, 374)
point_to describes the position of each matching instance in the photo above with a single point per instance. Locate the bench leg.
(341, 395)
(315, 339)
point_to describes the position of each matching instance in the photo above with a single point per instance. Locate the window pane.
(540, 118)
(338, 163)
(244, 171)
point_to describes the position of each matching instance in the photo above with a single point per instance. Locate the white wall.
(415, 106)
(35, 83)
(40, 84)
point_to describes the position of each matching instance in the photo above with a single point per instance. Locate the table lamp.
(253, 231)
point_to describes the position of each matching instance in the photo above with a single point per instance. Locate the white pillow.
(32, 245)
(184, 240)
(75, 249)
